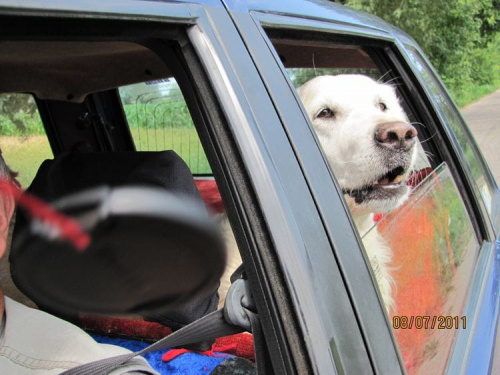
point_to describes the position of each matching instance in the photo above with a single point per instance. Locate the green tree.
(458, 36)
(19, 115)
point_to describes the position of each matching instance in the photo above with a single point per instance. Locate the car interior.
(119, 131)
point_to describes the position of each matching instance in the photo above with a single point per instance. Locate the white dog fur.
(346, 111)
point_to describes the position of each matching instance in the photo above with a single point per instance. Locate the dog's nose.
(396, 135)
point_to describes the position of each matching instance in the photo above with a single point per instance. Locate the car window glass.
(445, 109)
(427, 236)
(22, 136)
(159, 119)
(432, 233)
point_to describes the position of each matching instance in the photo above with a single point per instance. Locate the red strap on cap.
(65, 227)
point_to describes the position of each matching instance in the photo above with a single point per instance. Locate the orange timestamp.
(427, 321)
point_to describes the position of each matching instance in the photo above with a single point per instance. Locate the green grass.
(25, 154)
(184, 141)
(474, 92)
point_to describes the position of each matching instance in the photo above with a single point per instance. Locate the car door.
(454, 158)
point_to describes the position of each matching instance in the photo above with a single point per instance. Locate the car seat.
(69, 173)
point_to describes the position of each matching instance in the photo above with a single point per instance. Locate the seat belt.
(236, 317)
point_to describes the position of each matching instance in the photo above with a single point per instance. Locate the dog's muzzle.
(397, 139)
(396, 135)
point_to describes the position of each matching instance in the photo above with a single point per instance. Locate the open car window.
(159, 119)
(427, 244)
(22, 136)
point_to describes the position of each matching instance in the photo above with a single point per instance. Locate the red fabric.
(174, 353)
(416, 270)
(415, 294)
(139, 329)
(417, 177)
(240, 345)
(419, 273)
(66, 227)
(210, 194)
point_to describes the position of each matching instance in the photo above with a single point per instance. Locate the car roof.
(310, 9)
(58, 70)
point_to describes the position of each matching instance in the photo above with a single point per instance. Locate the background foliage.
(460, 37)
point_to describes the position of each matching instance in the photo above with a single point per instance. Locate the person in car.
(34, 342)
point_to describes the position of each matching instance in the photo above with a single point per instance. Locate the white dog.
(370, 147)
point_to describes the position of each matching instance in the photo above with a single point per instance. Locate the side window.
(159, 120)
(22, 136)
(415, 228)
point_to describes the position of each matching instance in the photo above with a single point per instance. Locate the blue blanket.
(185, 364)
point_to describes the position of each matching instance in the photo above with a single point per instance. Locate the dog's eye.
(382, 106)
(325, 113)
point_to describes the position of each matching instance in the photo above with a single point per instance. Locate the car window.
(159, 119)
(422, 249)
(22, 136)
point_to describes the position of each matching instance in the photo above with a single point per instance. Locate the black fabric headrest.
(153, 246)
(71, 172)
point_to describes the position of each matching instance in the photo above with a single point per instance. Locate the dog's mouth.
(393, 177)
(389, 186)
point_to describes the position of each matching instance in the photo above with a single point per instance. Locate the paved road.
(483, 118)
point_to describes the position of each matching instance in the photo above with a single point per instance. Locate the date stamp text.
(427, 321)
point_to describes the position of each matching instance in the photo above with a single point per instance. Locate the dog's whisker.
(418, 123)
(394, 79)
(429, 155)
(381, 79)
(428, 139)
(314, 66)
